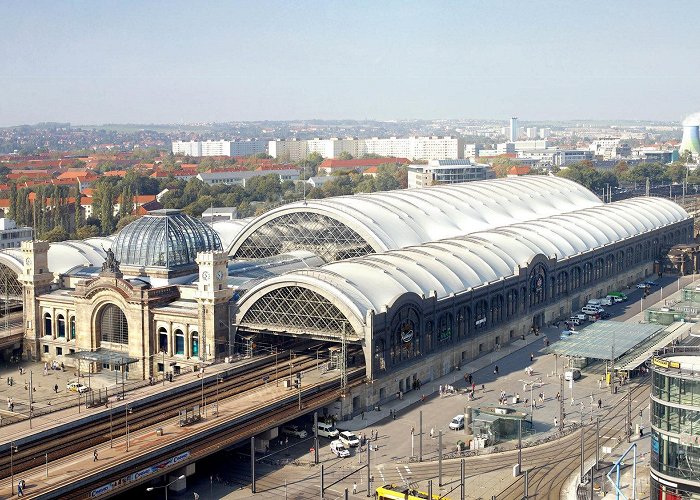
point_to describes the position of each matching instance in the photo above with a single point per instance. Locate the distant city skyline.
(182, 62)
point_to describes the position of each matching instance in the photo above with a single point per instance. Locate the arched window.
(538, 285)
(620, 261)
(61, 327)
(444, 333)
(163, 340)
(405, 334)
(195, 344)
(563, 283)
(497, 309)
(179, 342)
(48, 330)
(575, 278)
(480, 315)
(113, 325)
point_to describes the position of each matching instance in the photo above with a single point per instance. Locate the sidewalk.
(429, 389)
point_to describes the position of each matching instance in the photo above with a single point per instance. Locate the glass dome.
(164, 238)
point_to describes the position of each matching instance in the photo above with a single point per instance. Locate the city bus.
(393, 492)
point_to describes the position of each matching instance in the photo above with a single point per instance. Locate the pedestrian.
(362, 415)
(354, 488)
(558, 396)
(286, 440)
(532, 357)
(495, 370)
(55, 388)
(600, 403)
(376, 434)
(94, 455)
(641, 431)
(432, 433)
(556, 422)
(572, 401)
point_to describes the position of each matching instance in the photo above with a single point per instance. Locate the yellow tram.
(393, 492)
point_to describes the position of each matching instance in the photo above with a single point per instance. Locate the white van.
(590, 310)
(593, 302)
(572, 374)
(606, 301)
(327, 430)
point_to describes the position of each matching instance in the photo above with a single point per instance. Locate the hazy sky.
(143, 61)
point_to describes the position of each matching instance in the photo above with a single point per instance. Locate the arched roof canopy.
(374, 282)
(349, 226)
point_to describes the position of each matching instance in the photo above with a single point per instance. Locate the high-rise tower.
(514, 129)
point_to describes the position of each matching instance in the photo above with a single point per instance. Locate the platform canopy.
(104, 356)
(604, 339)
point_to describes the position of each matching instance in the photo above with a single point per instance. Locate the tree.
(344, 155)
(124, 221)
(13, 201)
(58, 233)
(87, 231)
(586, 174)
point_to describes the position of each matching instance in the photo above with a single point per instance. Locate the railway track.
(550, 464)
(113, 424)
(211, 439)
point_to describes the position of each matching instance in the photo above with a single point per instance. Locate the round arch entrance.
(112, 325)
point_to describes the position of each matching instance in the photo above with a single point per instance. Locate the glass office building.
(675, 421)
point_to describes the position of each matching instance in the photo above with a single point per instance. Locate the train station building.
(414, 282)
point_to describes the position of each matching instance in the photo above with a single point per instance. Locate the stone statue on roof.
(110, 264)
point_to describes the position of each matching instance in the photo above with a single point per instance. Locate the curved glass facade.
(326, 237)
(675, 420)
(164, 238)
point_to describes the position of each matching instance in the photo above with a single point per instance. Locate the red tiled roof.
(115, 173)
(519, 170)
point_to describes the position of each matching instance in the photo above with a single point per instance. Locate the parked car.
(566, 334)
(294, 430)
(77, 387)
(339, 450)
(457, 423)
(574, 321)
(327, 430)
(579, 315)
(651, 283)
(606, 301)
(572, 374)
(618, 296)
(349, 439)
(643, 285)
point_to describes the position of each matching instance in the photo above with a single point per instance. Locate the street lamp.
(151, 488)
(127, 410)
(218, 379)
(13, 450)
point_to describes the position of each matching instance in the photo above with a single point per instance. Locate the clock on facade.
(219, 275)
(205, 275)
